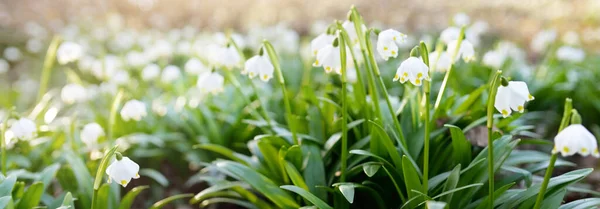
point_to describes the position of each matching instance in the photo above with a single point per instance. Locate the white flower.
(461, 19)
(34, 45)
(575, 139)
(413, 69)
(195, 67)
(329, 58)
(23, 128)
(12, 54)
(259, 65)
(541, 40)
(170, 73)
(133, 109)
(104, 69)
(68, 52)
(4, 66)
(571, 38)
(159, 108)
(90, 134)
(120, 77)
(386, 43)
(439, 61)
(211, 83)
(320, 42)
(494, 59)
(150, 72)
(136, 59)
(450, 34)
(512, 97)
(122, 171)
(466, 51)
(349, 26)
(572, 54)
(72, 93)
(228, 56)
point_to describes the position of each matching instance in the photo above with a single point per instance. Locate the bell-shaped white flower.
(133, 110)
(466, 50)
(259, 65)
(119, 77)
(412, 69)
(450, 34)
(512, 97)
(571, 54)
(329, 58)
(211, 83)
(541, 40)
(12, 54)
(575, 139)
(90, 133)
(34, 45)
(494, 59)
(122, 171)
(439, 61)
(349, 27)
(72, 93)
(228, 56)
(195, 67)
(4, 66)
(387, 43)
(23, 128)
(150, 72)
(170, 73)
(461, 19)
(68, 52)
(320, 42)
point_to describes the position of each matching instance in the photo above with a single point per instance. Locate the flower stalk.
(359, 80)
(447, 76)
(496, 80)
(100, 174)
(563, 124)
(3, 144)
(47, 67)
(426, 91)
(288, 107)
(342, 42)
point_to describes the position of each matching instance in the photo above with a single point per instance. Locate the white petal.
(502, 102)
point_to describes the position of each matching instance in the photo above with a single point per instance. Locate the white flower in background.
(133, 110)
(211, 83)
(571, 54)
(159, 108)
(136, 59)
(90, 133)
(450, 34)
(461, 19)
(542, 39)
(122, 171)
(195, 67)
(512, 97)
(34, 45)
(23, 128)
(466, 50)
(4, 66)
(170, 73)
(120, 77)
(571, 38)
(439, 61)
(387, 43)
(228, 56)
(68, 52)
(349, 26)
(72, 93)
(329, 58)
(150, 72)
(575, 139)
(35, 30)
(494, 59)
(351, 75)
(86, 63)
(104, 69)
(184, 47)
(320, 42)
(259, 65)
(412, 69)
(162, 48)
(478, 28)
(12, 54)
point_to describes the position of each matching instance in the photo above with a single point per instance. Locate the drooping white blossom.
(575, 139)
(122, 171)
(195, 67)
(90, 133)
(170, 73)
(211, 83)
(133, 110)
(72, 93)
(68, 52)
(387, 43)
(150, 72)
(23, 128)
(259, 65)
(571, 54)
(513, 96)
(439, 61)
(494, 59)
(412, 69)
(466, 50)
(320, 42)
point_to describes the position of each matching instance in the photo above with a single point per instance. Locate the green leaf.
(5, 201)
(32, 196)
(484, 203)
(294, 155)
(295, 176)
(451, 182)
(386, 141)
(259, 182)
(435, 205)
(314, 172)
(6, 187)
(460, 145)
(215, 188)
(244, 204)
(240, 158)
(168, 200)
(348, 191)
(466, 105)
(271, 157)
(157, 176)
(411, 178)
(68, 201)
(102, 196)
(127, 201)
(582, 204)
(48, 174)
(371, 169)
(308, 196)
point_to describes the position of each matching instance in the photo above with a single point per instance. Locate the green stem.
(286, 99)
(112, 117)
(376, 72)
(100, 174)
(3, 143)
(452, 60)
(342, 42)
(490, 125)
(47, 67)
(360, 90)
(564, 123)
(238, 88)
(426, 91)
